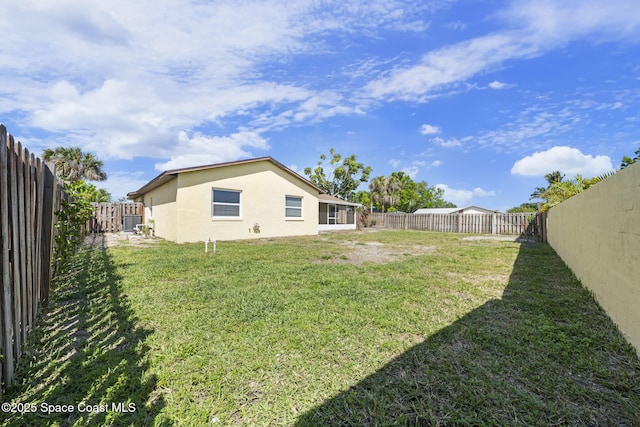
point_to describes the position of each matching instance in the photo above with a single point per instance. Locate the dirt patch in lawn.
(107, 240)
(361, 252)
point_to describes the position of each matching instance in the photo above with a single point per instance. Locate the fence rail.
(517, 223)
(109, 217)
(29, 197)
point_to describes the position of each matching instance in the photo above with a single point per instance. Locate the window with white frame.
(293, 207)
(226, 203)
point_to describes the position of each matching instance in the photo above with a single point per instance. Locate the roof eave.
(168, 175)
(156, 182)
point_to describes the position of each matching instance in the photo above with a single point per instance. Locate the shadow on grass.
(543, 354)
(87, 351)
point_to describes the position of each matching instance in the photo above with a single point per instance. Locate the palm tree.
(72, 164)
(537, 193)
(562, 190)
(552, 178)
(385, 191)
(555, 176)
(378, 189)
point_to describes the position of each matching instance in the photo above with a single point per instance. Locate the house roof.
(168, 175)
(325, 198)
(447, 211)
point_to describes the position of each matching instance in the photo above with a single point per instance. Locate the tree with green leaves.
(399, 192)
(415, 195)
(92, 193)
(341, 176)
(552, 178)
(563, 190)
(628, 161)
(72, 164)
(524, 207)
(74, 212)
(362, 197)
(75, 167)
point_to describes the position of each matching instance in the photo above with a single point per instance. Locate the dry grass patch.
(359, 252)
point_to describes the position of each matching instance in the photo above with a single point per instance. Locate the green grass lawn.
(362, 328)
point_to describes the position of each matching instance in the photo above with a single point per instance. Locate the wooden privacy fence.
(516, 223)
(29, 197)
(109, 217)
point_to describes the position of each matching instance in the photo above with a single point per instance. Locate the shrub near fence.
(29, 197)
(518, 223)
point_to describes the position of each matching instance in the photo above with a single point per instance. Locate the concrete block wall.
(597, 234)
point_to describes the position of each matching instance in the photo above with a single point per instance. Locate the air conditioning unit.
(130, 222)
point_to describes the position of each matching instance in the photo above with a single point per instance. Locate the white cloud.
(532, 126)
(294, 167)
(557, 21)
(498, 85)
(436, 163)
(120, 119)
(456, 25)
(462, 197)
(201, 150)
(394, 163)
(115, 80)
(429, 129)
(440, 69)
(412, 171)
(534, 28)
(569, 161)
(120, 183)
(321, 106)
(119, 78)
(483, 193)
(449, 143)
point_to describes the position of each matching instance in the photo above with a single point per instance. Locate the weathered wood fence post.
(27, 213)
(494, 223)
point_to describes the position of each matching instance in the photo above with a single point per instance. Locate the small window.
(293, 207)
(226, 203)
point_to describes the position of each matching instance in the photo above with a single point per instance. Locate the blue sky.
(480, 98)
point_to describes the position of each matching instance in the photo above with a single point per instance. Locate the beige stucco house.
(245, 199)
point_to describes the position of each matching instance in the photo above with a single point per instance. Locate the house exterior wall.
(160, 207)
(263, 188)
(597, 234)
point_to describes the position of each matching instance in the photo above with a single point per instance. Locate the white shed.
(449, 211)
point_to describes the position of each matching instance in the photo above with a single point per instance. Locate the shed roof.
(447, 211)
(436, 210)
